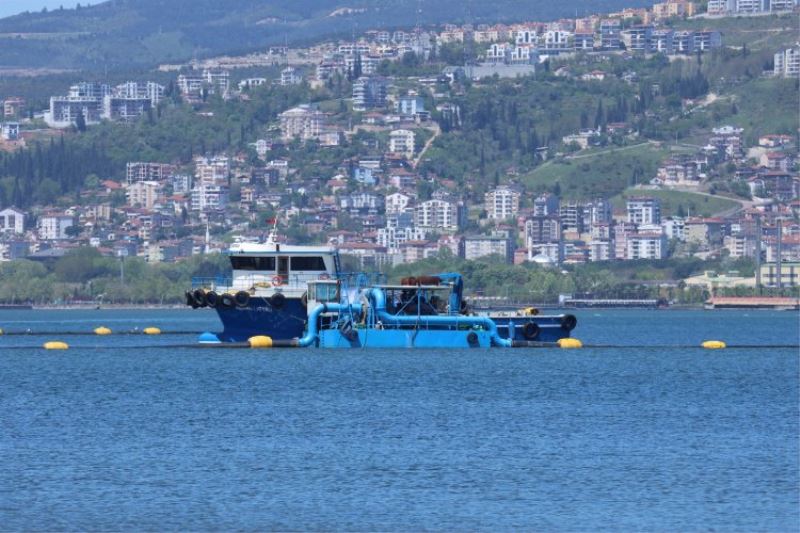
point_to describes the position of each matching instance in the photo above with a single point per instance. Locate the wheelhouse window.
(308, 263)
(253, 263)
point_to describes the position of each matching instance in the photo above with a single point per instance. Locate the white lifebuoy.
(324, 276)
(277, 281)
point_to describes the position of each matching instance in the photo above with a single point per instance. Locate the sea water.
(129, 432)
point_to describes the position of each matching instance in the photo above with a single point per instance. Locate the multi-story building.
(393, 237)
(54, 227)
(302, 122)
(439, 215)
(482, 246)
(643, 210)
(9, 131)
(125, 108)
(727, 141)
(787, 63)
(571, 215)
(209, 197)
(673, 8)
(369, 92)
(12, 220)
(583, 41)
(143, 194)
(290, 76)
(556, 42)
(646, 246)
(398, 203)
(662, 41)
(141, 90)
(601, 250)
(13, 106)
(610, 34)
(638, 38)
(65, 110)
(597, 212)
(411, 106)
(542, 230)
(546, 204)
(705, 40)
(502, 203)
(402, 142)
(212, 170)
(147, 171)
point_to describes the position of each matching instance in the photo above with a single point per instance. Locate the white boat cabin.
(273, 267)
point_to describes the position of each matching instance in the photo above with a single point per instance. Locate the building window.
(253, 263)
(308, 263)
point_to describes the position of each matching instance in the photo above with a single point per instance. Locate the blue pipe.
(313, 322)
(379, 306)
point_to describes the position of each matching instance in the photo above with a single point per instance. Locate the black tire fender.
(530, 330)
(568, 322)
(242, 298)
(212, 298)
(227, 301)
(200, 298)
(278, 300)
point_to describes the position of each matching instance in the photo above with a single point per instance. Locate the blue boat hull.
(260, 317)
(549, 330)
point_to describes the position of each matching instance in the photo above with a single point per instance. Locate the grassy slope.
(671, 201)
(603, 174)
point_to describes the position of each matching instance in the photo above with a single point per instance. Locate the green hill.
(120, 34)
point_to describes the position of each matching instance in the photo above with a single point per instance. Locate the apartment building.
(502, 203)
(302, 122)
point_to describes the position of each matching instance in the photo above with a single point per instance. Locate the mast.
(758, 255)
(779, 259)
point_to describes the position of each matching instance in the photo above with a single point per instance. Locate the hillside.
(121, 34)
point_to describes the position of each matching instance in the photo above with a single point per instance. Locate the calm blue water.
(120, 434)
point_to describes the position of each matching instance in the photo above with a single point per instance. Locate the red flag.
(271, 220)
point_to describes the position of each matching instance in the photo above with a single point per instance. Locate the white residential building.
(12, 221)
(303, 122)
(290, 76)
(644, 210)
(402, 142)
(9, 131)
(54, 227)
(787, 63)
(397, 203)
(646, 246)
(392, 238)
(209, 197)
(437, 215)
(143, 194)
(477, 247)
(212, 171)
(147, 171)
(502, 203)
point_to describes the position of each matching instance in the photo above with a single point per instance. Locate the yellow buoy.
(260, 341)
(56, 345)
(1, 331)
(152, 331)
(713, 345)
(102, 330)
(569, 342)
(530, 311)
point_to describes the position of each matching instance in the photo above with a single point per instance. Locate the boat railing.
(348, 280)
